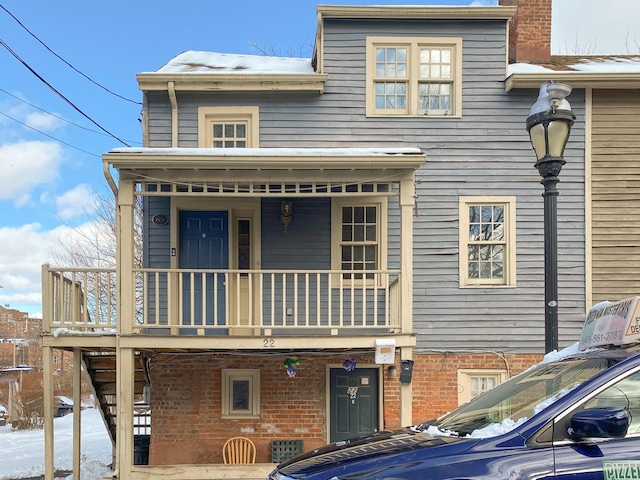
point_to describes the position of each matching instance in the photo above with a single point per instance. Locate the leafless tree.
(93, 246)
(302, 50)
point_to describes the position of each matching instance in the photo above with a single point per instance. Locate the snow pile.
(23, 450)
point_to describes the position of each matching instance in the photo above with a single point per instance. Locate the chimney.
(530, 31)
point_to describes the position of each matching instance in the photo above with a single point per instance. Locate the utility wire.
(47, 135)
(61, 118)
(60, 94)
(67, 63)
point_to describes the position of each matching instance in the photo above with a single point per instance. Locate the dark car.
(576, 415)
(63, 406)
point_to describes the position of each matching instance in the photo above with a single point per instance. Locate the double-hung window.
(359, 243)
(228, 127)
(414, 76)
(487, 241)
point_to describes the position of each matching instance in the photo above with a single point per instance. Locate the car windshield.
(514, 401)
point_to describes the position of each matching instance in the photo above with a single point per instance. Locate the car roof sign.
(612, 324)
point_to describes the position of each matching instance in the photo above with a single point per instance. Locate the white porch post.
(47, 364)
(125, 319)
(77, 411)
(124, 396)
(407, 202)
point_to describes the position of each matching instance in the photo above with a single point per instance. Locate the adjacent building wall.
(615, 191)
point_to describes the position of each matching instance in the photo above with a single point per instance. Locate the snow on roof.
(226, 64)
(589, 64)
(270, 152)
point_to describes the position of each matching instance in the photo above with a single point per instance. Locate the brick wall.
(186, 401)
(435, 378)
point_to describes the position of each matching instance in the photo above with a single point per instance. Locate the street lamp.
(549, 122)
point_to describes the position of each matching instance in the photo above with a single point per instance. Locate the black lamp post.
(549, 123)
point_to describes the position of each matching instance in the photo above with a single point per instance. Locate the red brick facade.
(530, 31)
(187, 425)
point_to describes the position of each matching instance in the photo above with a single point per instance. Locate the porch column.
(124, 419)
(47, 395)
(77, 411)
(125, 256)
(407, 202)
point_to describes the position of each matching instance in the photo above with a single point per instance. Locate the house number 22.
(353, 394)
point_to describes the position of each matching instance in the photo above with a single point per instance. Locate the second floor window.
(487, 241)
(358, 239)
(228, 127)
(414, 76)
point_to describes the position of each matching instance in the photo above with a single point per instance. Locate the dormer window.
(414, 77)
(228, 127)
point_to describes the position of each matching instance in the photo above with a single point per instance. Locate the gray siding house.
(331, 246)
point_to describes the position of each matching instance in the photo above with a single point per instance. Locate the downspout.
(171, 90)
(110, 180)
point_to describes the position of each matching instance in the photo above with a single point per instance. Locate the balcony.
(180, 302)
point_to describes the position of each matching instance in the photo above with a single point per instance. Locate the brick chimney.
(530, 31)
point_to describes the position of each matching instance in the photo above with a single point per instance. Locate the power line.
(61, 118)
(67, 63)
(47, 135)
(60, 94)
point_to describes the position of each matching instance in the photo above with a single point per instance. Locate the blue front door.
(204, 244)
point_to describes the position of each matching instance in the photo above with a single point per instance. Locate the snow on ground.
(22, 451)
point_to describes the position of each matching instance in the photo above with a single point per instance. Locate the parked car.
(575, 415)
(63, 406)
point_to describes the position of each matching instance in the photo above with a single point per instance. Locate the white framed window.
(358, 237)
(240, 393)
(473, 382)
(487, 239)
(417, 76)
(228, 127)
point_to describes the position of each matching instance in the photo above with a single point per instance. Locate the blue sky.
(50, 148)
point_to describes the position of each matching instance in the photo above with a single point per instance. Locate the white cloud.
(26, 164)
(42, 121)
(24, 250)
(75, 202)
(24, 113)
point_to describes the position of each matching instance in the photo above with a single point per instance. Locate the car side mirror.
(601, 422)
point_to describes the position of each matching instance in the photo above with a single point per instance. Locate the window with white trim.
(240, 393)
(414, 76)
(358, 243)
(228, 127)
(487, 241)
(473, 382)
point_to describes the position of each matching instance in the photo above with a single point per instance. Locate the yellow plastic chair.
(239, 450)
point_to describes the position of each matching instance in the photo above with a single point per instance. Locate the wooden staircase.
(101, 367)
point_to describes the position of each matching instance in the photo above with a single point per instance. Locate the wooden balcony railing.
(227, 302)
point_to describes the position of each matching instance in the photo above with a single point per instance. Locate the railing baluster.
(318, 299)
(273, 299)
(204, 308)
(284, 299)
